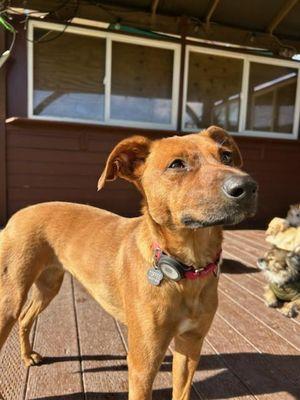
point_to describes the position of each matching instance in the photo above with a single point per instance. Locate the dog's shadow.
(237, 375)
(230, 266)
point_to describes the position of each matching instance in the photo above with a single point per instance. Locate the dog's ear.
(126, 160)
(293, 259)
(221, 137)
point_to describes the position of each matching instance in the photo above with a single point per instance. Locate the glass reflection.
(271, 98)
(213, 94)
(141, 83)
(68, 76)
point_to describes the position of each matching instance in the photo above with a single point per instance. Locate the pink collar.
(189, 272)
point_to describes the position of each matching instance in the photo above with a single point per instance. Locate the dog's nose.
(237, 187)
(261, 263)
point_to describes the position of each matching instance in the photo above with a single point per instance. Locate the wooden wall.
(62, 161)
(3, 199)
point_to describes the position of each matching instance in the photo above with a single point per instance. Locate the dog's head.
(293, 216)
(280, 266)
(187, 181)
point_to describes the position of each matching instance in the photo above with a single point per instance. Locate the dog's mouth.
(229, 218)
(229, 214)
(193, 223)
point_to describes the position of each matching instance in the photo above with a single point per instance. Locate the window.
(141, 83)
(213, 91)
(101, 77)
(271, 98)
(68, 83)
(88, 75)
(245, 94)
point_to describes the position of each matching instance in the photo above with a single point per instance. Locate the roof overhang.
(271, 24)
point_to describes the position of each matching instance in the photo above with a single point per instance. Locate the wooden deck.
(251, 351)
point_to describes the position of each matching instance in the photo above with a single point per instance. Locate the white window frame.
(110, 37)
(247, 59)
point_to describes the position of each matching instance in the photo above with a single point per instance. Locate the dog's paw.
(290, 312)
(33, 359)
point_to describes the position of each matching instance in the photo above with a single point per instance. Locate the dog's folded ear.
(221, 137)
(126, 160)
(293, 259)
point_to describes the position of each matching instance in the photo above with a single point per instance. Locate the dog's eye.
(226, 157)
(177, 164)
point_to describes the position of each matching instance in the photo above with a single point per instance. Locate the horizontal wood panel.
(63, 161)
(45, 155)
(53, 168)
(74, 181)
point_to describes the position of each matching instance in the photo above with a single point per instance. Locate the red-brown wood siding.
(3, 204)
(62, 161)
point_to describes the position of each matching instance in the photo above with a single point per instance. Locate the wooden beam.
(180, 114)
(3, 182)
(211, 10)
(282, 13)
(169, 24)
(154, 6)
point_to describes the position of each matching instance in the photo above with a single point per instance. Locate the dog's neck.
(195, 247)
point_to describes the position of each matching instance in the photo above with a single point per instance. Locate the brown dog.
(191, 187)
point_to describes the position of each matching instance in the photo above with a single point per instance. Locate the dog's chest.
(190, 315)
(196, 306)
(186, 325)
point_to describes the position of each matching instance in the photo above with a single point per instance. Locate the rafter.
(211, 10)
(154, 6)
(282, 13)
(170, 24)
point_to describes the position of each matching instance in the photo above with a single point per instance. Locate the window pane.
(68, 75)
(271, 98)
(141, 83)
(214, 91)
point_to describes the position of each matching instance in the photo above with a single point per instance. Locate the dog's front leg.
(185, 361)
(147, 348)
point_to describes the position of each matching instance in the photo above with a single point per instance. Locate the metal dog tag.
(155, 276)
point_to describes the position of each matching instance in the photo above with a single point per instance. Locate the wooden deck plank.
(243, 253)
(272, 319)
(257, 287)
(263, 339)
(213, 378)
(256, 290)
(13, 373)
(255, 243)
(56, 339)
(102, 351)
(254, 369)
